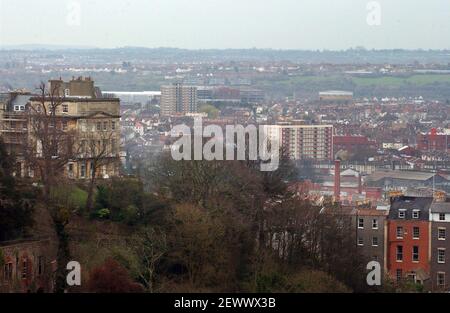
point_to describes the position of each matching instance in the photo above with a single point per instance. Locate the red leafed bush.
(111, 277)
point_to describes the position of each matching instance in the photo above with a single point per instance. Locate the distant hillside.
(40, 47)
(355, 56)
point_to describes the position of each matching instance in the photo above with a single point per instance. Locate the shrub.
(101, 214)
(130, 215)
(111, 277)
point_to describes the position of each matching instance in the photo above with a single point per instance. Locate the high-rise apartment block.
(178, 98)
(303, 141)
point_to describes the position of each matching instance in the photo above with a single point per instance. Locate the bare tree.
(47, 150)
(49, 146)
(150, 244)
(98, 149)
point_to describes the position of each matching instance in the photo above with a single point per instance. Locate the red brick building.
(433, 141)
(408, 241)
(353, 144)
(27, 266)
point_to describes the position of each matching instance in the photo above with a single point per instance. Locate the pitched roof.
(410, 204)
(406, 175)
(372, 212)
(440, 207)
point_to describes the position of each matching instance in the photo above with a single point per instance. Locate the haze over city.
(249, 148)
(200, 24)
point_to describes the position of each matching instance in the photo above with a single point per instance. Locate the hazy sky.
(278, 24)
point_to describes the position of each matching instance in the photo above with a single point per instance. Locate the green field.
(427, 85)
(419, 80)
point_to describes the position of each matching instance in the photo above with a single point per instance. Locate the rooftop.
(410, 204)
(372, 212)
(440, 207)
(336, 93)
(407, 175)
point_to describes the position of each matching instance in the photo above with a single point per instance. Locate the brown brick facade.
(26, 266)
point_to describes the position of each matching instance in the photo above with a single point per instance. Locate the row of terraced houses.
(411, 240)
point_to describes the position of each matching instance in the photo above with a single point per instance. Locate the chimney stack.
(359, 183)
(337, 180)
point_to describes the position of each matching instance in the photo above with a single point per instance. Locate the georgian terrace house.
(83, 111)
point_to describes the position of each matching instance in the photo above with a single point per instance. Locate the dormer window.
(415, 213)
(401, 213)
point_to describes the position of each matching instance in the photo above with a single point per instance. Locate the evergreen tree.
(16, 204)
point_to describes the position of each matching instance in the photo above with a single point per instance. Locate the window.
(375, 223)
(104, 147)
(415, 213)
(399, 253)
(24, 269)
(401, 214)
(113, 125)
(113, 146)
(40, 265)
(54, 148)
(399, 274)
(64, 125)
(412, 277)
(70, 169)
(399, 232)
(105, 126)
(441, 255)
(83, 171)
(8, 271)
(415, 254)
(360, 241)
(442, 216)
(416, 232)
(99, 126)
(65, 108)
(375, 241)
(441, 233)
(83, 125)
(104, 172)
(361, 223)
(441, 279)
(84, 146)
